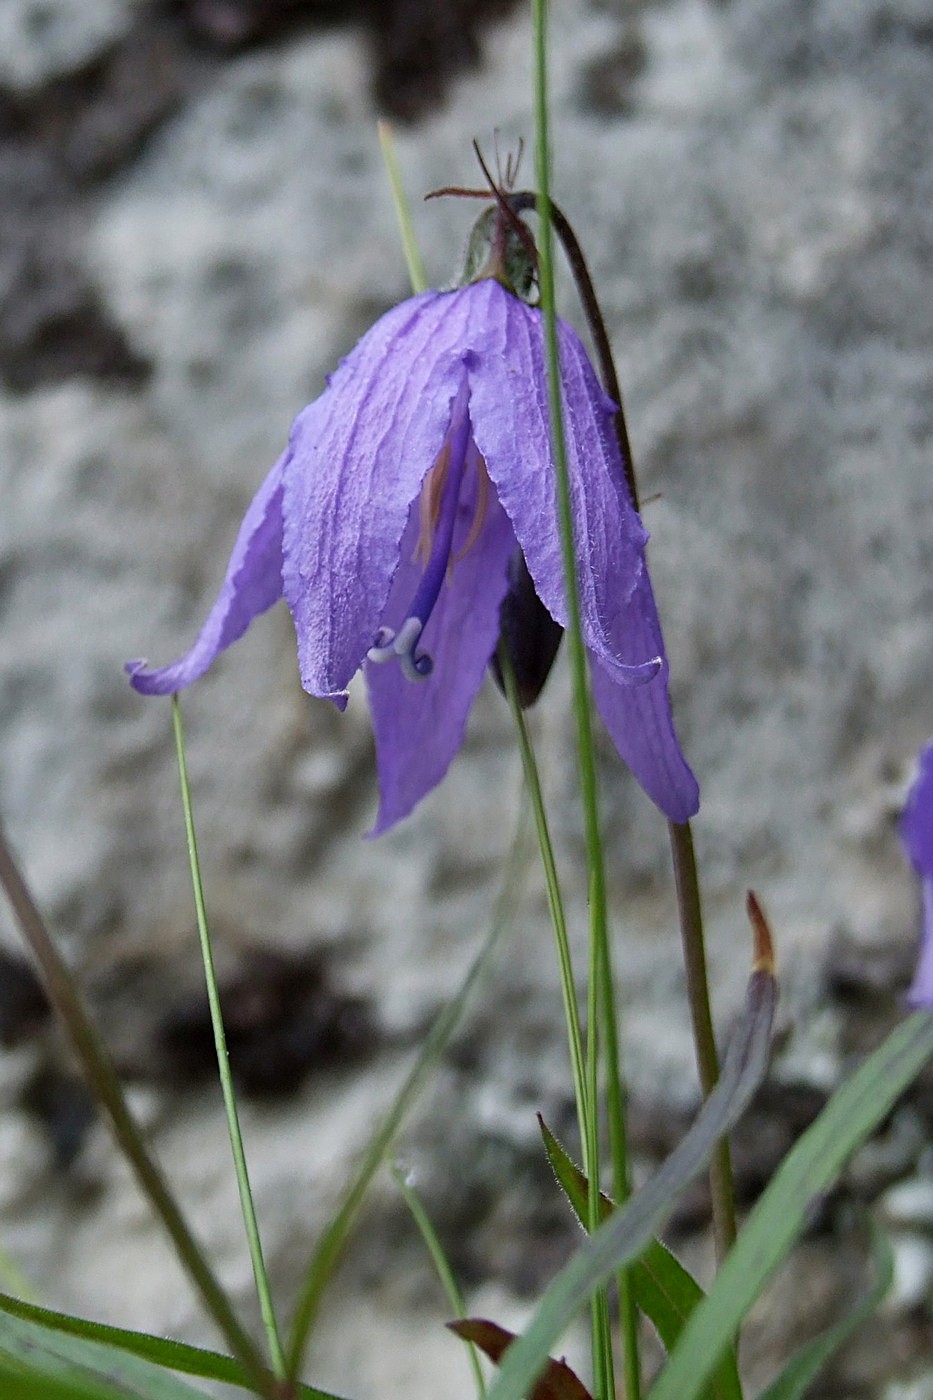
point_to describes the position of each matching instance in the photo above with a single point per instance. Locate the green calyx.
(501, 248)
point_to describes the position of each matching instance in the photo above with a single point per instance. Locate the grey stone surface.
(41, 39)
(752, 185)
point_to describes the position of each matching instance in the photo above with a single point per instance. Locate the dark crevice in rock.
(57, 143)
(60, 140)
(417, 47)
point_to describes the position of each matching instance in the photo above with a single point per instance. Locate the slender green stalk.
(101, 1076)
(555, 902)
(600, 961)
(685, 872)
(416, 270)
(247, 1206)
(441, 1264)
(585, 1085)
(617, 1115)
(689, 907)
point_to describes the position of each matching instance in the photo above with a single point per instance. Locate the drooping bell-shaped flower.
(411, 513)
(917, 835)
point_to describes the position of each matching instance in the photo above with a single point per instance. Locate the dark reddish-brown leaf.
(557, 1381)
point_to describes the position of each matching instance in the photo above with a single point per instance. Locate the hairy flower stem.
(102, 1078)
(681, 839)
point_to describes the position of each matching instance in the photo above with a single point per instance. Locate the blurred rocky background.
(194, 225)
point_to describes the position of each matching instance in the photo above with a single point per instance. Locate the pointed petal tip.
(146, 681)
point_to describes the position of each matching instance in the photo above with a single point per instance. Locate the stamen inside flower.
(438, 507)
(482, 504)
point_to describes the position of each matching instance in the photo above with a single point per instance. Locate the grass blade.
(662, 1288)
(31, 1352)
(851, 1115)
(441, 1265)
(806, 1364)
(247, 1205)
(629, 1231)
(161, 1351)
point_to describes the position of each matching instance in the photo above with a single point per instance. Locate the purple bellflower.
(917, 836)
(412, 495)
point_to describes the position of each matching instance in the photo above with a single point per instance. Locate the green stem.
(585, 1085)
(555, 901)
(704, 1038)
(685, 872)
(102, 1078)
(416, 271)
(617, 1113)
(441, 1264)
(247, 1205)
(601, 1008)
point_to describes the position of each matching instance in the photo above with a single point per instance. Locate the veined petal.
(358, 457)
(252, 584)
(511, 420)
(419, 725)
(639, 718)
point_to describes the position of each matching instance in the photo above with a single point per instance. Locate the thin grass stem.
(555, 901)
(416, 272)
(247, 1205)
(599, 923)
(441, 1264)
(685, 872)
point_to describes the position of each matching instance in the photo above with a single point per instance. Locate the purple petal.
(511, 420)
(419, 726)
(917, 835)
(620, 621)
(917, 820)
(252, 584)
(639, 718)
(358, 457)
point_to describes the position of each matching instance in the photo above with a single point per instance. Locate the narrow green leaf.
(811, 1166)
(29, 1351)
(17, 1384)
(441, 1264)
(807, 1363)
(664, 1290)
(571, 1179)
(667, 1294)
(161, 1351)
(224, 1073)
(629, 1231)
(416, 273)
